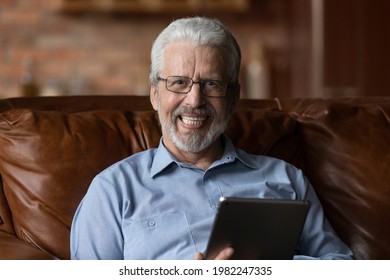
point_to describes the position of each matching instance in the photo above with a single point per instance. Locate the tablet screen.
(257, 228)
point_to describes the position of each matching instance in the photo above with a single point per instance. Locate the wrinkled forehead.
(187, 59)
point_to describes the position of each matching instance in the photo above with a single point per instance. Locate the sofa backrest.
(51, 148)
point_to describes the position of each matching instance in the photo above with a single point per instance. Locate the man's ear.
(154, 97)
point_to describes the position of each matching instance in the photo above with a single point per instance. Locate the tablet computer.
(267, 229)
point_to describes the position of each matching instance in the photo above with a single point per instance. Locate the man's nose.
(195, 97)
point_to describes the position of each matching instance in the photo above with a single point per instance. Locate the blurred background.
(290, 48)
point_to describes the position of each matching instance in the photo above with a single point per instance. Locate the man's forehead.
(184, 56)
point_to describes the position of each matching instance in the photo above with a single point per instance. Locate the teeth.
(193, 120)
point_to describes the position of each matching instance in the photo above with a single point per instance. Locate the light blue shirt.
(150, 206)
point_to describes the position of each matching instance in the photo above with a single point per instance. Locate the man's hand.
(225, 254)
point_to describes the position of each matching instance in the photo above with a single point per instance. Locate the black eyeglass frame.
(201, 83)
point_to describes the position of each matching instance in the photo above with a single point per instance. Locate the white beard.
(194, 142)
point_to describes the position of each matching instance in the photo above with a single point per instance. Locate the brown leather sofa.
(51, 148)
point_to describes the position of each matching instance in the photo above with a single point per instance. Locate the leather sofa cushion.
(266, 132)
(6, 224)
(347, 154)
(12, 248)
(48, 159)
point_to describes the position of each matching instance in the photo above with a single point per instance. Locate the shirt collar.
(231, 154)
(163, 158)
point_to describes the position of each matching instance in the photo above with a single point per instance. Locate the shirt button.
(151, 223)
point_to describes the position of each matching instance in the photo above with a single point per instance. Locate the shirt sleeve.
(96, 228)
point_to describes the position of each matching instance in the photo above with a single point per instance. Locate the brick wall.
(108, 54)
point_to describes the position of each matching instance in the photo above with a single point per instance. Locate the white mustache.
(204, 111)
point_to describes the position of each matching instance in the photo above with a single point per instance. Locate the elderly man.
(161, 203)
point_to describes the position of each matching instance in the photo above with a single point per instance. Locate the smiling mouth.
(193, 121)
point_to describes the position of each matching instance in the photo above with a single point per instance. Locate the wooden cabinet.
(338, 48)
(356, 48)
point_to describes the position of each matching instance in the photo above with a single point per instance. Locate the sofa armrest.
(13, 248)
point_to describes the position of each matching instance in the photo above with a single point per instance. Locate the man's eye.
(211, 84)
(179, 82)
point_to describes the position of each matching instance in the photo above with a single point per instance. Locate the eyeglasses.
(178, 84)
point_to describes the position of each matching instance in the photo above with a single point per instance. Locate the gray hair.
(200, 31)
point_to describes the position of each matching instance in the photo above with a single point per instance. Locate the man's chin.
(191, 145)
